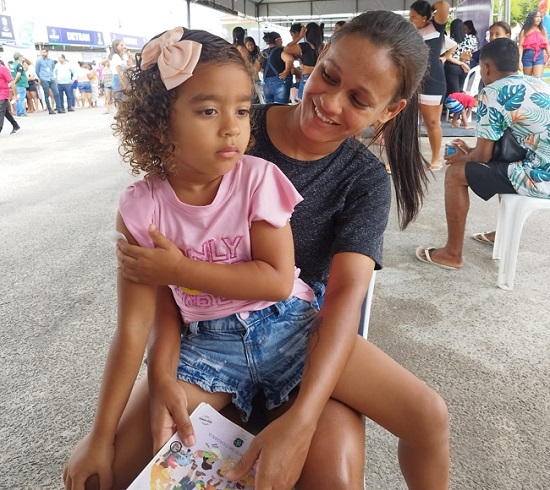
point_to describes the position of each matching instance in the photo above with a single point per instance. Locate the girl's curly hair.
(143, 117)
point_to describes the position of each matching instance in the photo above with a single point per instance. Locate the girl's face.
(352, 87)
(121, 48)
(538, 18)
(210, 121)
(250, 46)
(418, 20)
(497, 31)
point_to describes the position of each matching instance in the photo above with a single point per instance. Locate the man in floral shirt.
(509, 100)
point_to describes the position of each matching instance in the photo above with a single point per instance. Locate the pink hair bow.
(176, 59)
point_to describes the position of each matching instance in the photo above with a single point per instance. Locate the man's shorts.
(263, 351)
(488, 179)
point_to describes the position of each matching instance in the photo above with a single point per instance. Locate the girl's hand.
(303, 31)
(284, 74)
(153, 266)
(90, 457)
(168, 409)
(279, 452)
(520, 66)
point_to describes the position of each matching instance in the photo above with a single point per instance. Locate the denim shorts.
(85, 87)
(528, 59)
(263, 351)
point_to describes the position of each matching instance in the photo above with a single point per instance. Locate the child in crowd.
(184, 123)
(460, 105)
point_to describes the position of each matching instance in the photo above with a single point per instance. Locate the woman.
(119, 64)
(84, 76)
(533, 43)
(308, 51)
(368, 76)
(253, 50)
(455, 68)
(470, 30)
(276, 66)
(107, 84)
(238, 41)
(33, 100)
(430, 21)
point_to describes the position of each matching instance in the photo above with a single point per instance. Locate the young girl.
(368, 76)
(533, 43)
(229, 214)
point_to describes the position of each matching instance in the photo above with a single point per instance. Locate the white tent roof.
(272, 9)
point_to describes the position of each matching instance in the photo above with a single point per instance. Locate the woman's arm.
(285, 442)
(268, 276)
(441, 11)
(289, 62)
(520, 48)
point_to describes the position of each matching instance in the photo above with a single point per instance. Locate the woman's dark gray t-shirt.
(346, 202)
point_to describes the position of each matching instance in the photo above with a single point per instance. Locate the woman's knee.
(432, 419)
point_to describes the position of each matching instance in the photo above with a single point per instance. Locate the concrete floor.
(484, 349)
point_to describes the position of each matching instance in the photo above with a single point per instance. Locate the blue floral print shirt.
(521, 103)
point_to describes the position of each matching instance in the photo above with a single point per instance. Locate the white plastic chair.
(365, 309)
(470, 87)
(513, 211)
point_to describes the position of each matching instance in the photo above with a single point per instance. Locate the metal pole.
(188, 14)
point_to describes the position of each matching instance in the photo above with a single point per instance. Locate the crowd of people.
(58, 86)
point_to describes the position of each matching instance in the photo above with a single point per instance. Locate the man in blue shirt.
(45, 71)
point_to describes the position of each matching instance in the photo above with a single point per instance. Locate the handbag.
(507, 149)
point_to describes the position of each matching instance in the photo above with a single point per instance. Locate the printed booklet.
(220, 444)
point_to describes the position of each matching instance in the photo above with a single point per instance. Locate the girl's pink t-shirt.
(254, 190)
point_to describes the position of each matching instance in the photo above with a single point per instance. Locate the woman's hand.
(153, 266)
(520, 66)
(91, 456)
(303, 31)
(279, 452)
(465, 67)
(168, 411)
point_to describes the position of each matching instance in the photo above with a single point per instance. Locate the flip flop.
(435, 168)
(482, 237)
(428, 260)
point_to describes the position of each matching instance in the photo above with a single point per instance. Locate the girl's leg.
(398, 401)
(528, 71)
(431, 114)
(538, 71)
(134, 442)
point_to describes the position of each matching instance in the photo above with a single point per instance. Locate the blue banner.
(131, 42)
(6, 29)
(61, 35)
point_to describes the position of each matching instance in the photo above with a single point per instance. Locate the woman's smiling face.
(353, 86)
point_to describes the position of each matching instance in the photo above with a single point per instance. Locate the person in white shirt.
(64, 76)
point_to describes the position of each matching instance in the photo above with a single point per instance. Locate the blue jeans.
(277, 90)
(66, 90)
(116, 88)
(20, 105)
(302, 85)
(47, 85)
(243, 355)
